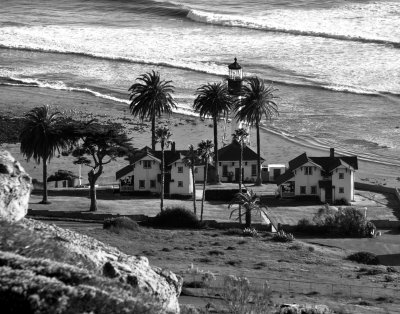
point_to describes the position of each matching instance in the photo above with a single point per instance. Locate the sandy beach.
(185, 129)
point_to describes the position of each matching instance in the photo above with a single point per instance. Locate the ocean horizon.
(335, 63)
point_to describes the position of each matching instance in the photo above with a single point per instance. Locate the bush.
(250, 232)
(234, 232)
(347, 221)
(364, 258)
(342, 201)
(176, 217)
(120, 223)
(282, 236)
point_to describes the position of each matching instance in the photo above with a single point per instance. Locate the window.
(302, 190)
(253, 170)
(233, 164)
(308, 171)
(180, 169)
(196, 170)
(180, 184)
(314, 189)
(152, 183)
(147, 164)
(341, 190)
(224, 170)
(141, 184)
(341, 175)
(245, 163)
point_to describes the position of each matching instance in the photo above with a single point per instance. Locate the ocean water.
(336, 63)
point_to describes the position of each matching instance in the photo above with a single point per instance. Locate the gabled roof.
(124, 171)
(284, 177)
(327, 164)
(231, 152)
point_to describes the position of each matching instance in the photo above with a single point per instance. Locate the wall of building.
(185, 178)
(345, 183)
(199, 173)
(302, 179)
(232, 165)
(141, 173)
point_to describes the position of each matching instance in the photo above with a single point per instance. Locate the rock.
(110, 271)
(15, 188)
(132, 270)
(35, 285)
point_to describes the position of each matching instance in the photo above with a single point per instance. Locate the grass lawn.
(259, 259)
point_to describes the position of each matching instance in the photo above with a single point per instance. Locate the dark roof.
(234, 65)
(232, 152)
(284, 177)
(124, 171)
(228, 153)
(298, 161)
(330, 163)
(326, 163)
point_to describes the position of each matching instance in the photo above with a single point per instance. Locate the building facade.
(329, 178)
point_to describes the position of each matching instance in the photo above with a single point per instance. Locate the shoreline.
(185, 129)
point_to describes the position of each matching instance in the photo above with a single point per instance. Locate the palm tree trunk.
(153, 132)
(162, 177)
(240, 177)
(204, 190)
(216, 159)
(248, 218)
(258, 181)
(194, 188)
(44, 200)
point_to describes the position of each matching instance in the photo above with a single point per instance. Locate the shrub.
(347, 221)
(389, 278)
(342, 201)
(282, 236)
(250, 232)
(233, 231)
(176, 217)
(364, 258)
(238, 296)
(120, 223)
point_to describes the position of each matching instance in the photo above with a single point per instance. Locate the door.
(237, 172)
(328, 191)
(277, 173)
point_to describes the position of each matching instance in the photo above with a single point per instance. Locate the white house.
(330, 178)
(143, 174)
(229, 163)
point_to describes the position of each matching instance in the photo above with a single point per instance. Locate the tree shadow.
(390, 259)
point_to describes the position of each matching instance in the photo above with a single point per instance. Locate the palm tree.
(162, 136)
(258, 100)
(190, 161)
(250, 201)
(240, 135)
(41, 137)
(213, 99)
(150, 98)
(205, 153)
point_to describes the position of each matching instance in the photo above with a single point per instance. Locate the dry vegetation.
(224, 252)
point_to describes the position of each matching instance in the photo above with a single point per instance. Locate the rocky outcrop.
(15, 188)
(40, 278)
(41, 286)
(135, 271)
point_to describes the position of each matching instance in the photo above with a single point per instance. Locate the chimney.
(173, 147)
(332, 152)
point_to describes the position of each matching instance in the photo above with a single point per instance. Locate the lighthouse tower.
(235, 83)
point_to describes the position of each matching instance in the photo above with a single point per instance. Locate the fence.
(304, 287)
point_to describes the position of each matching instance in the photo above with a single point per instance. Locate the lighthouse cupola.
(235, 79)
